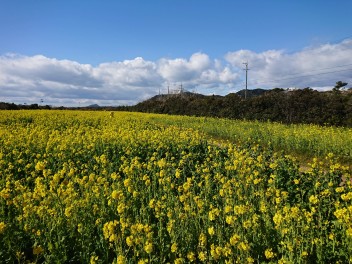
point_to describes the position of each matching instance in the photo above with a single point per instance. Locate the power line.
(293, 75)
(298, 73)
(300, 76)
(333, 67)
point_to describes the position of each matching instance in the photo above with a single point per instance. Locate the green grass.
(304, 141)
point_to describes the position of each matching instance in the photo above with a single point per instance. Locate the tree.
(339, 85)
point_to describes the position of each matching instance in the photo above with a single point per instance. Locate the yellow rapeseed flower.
(243, 246)
(250, 260)
(129, 241)
(37, 250)
(234, 239)
(202, 256)
(191, 256)
(39, 166)
(269, 254)
(2, 227)
(174, 247)
(211, 230)
(313, 199)
(93, 259)
(121, 259)
(339, 189)
(349, 232)
(202, 240)
(179, 261)
(148, 247)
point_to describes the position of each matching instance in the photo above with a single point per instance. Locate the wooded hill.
(278, 105)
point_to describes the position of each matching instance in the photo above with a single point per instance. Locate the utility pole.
(246, 69)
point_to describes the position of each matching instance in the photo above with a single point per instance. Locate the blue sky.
(121, 52)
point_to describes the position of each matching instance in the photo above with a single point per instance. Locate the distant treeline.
(277, 105)
(12, 106)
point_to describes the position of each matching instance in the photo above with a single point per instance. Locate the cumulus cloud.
(42, 69)
(182, 70)
(27, 79)
(318, 66)
(123, 82)
(69, 81)
(198, 73)
(135, 73)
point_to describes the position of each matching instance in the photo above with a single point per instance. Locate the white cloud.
(127, 81)
(198, 72)
(137, 72)
(182, 70)
(260, 60)
(30, 78)
(64, 81)
(319, 66)
(40, 69)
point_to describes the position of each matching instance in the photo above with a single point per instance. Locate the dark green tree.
(339, 85)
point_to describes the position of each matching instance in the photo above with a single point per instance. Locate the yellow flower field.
(91, 187)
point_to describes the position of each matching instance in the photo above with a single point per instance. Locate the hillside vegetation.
(278, 105)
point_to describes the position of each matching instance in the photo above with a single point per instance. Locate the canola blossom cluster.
(91, 187)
